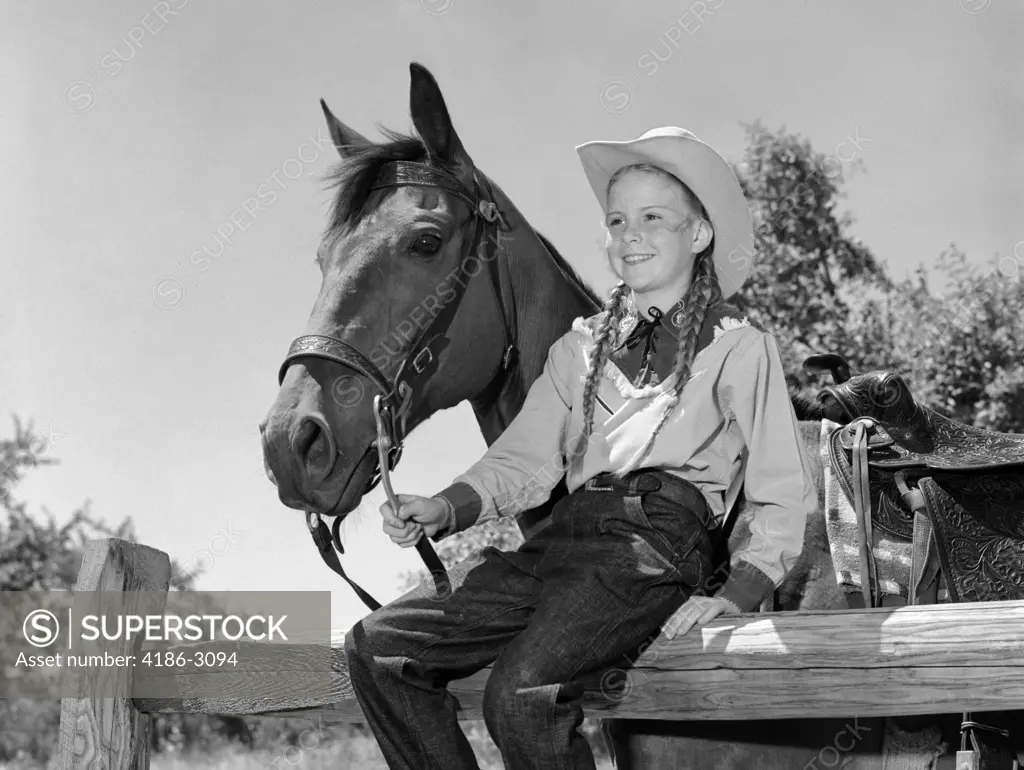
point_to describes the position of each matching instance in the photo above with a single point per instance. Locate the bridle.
(394, 403)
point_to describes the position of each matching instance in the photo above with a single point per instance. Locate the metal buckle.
(381, 415)
(488, 210)
(372, 483)
(384, 448)
(594, 485)
(972, 725)
(875, 433)
(416, 361)
(388, 448)
(394, 455)
(404, 407)
(313, 522)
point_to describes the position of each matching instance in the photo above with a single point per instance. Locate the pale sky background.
(116, 171)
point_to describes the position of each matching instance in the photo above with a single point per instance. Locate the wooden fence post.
(110, 733)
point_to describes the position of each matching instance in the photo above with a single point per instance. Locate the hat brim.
(701, 169)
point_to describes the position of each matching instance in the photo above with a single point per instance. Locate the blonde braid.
(704, 292)
(614, 312)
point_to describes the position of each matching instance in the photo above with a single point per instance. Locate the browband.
(403, 172)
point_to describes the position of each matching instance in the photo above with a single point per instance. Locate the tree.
(807, 267)
(42, 555)
(38, 554)
(963, 349)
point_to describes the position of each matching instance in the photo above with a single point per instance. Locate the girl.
(656, 411)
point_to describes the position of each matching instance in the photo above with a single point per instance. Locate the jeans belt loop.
(647, 481)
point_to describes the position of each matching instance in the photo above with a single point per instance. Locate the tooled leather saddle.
(966, 481)
(956, 492)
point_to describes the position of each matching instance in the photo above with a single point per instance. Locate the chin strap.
(326, 543)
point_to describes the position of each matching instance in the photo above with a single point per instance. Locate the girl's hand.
(696, 611)
(416, 516)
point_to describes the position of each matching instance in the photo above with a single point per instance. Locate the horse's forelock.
(353, 177)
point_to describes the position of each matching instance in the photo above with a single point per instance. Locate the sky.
(133, 132)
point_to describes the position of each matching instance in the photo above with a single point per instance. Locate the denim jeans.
(619, 557)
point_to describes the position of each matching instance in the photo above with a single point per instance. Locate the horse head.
(422, 302)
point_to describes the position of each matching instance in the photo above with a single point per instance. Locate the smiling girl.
(656, 411)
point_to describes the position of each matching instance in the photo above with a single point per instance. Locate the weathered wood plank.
(717, 695)
(111, 732)
(911, 660)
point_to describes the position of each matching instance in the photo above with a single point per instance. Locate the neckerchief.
(652, 362)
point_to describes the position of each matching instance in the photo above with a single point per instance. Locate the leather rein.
(394, 403)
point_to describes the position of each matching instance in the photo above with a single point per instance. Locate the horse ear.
(344, 138)
(433, 124)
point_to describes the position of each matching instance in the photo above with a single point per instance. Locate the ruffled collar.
(720, 320)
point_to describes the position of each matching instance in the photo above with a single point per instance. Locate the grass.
(354, 753)
(334, 749)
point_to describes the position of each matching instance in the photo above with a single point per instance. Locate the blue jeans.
(582, 595)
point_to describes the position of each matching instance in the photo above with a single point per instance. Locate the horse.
(409, 216)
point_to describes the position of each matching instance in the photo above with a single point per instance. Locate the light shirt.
(733, 427)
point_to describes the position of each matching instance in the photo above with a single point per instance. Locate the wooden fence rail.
(912, 660)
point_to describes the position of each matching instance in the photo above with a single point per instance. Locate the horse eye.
(426, 245)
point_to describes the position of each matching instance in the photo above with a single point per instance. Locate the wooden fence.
(912, 660)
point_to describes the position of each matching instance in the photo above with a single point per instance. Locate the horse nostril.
(313, 445)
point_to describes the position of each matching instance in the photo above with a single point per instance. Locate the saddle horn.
(827, 404)
(832, 363)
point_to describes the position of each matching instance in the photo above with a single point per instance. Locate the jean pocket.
(677, 531)
(628, 560)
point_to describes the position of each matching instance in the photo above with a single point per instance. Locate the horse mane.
(567, 269)
(354, 176)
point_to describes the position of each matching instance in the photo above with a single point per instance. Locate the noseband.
(394, 403)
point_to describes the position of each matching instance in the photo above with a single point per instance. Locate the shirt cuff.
(747, 586)
(464, 507)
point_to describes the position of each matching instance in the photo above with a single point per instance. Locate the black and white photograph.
(468, 385)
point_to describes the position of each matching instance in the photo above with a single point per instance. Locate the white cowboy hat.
(700, 168)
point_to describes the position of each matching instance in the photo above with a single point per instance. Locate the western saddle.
(955, 492)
